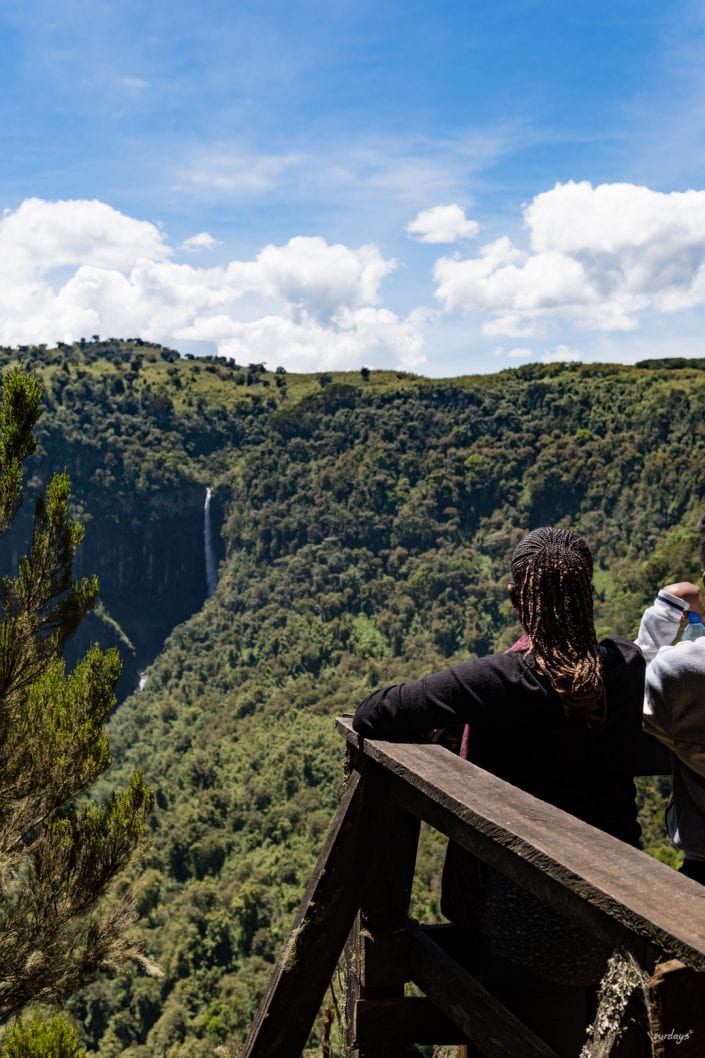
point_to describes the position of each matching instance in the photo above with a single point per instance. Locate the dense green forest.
(364, 524)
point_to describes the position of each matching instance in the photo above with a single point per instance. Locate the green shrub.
(38, 1037)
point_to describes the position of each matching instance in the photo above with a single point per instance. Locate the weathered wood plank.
(385, 906)
(322, 923)
(613, 890)
(481, 1018)
(351, 978)
(376, 967)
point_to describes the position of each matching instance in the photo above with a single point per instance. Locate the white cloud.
(520, 352)
(369, 173)
(202, 241)
(442, 224)
(510, 327)
(133, 84)
(306, 303)
(238, 172)
(562, 354)
(598, 256)
(320, 279)
(367, 335)
(40, 236)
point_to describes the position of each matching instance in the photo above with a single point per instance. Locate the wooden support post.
(376, 959)
(677, 1007)
(351, 984)
(308, 959)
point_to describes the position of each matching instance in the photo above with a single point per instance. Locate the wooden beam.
(677, 1001)
(308, 959)
(385, 906)
(617, 892)
(351, 984)
(376, 966)
(480, 1017)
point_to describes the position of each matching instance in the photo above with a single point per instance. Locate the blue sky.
(443, 187)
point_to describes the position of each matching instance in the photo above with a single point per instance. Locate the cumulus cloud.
(306, 303)
(561, 354)
(366, 335)
(597, 256)
(520, 352)
(40, 236)
(202, 241)
(442, 224)
(320, 279)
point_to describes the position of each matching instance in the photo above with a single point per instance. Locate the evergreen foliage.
(57, 855)
(38, 1037)
(18, 414)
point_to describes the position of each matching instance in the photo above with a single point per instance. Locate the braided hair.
(552, 574)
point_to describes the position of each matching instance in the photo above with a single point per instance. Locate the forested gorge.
(366, 520)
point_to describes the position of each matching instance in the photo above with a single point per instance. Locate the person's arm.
(661, 622)
(409, 710)
(674, 702)
(658, 699)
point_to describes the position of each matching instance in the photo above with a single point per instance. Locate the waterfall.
(211, 575)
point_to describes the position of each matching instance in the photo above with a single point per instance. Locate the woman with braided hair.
(552, 592)
(561, 719)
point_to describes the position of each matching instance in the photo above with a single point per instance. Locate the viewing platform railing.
(360, 892)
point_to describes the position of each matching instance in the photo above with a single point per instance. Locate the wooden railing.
(363, 879)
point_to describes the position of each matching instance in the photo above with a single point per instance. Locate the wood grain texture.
(617, 892)
(375, 958)
(677, 1001)
(481, 1018)
(308, 959)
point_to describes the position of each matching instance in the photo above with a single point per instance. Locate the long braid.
(552, 573)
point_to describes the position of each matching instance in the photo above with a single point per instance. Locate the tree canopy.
(58, 851)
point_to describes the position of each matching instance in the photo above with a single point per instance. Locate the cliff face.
(142, 434)
(148, 553)
(147, 550)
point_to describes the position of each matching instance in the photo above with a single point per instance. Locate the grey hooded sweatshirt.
(674, 712)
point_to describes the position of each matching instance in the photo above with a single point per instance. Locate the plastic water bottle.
(695, 627)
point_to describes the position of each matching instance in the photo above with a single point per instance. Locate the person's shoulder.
(491, 666)
(620, 644)
(618, 650)
(473, 666)
(681, 658)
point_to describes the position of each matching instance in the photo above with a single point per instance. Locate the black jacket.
(519, 730)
